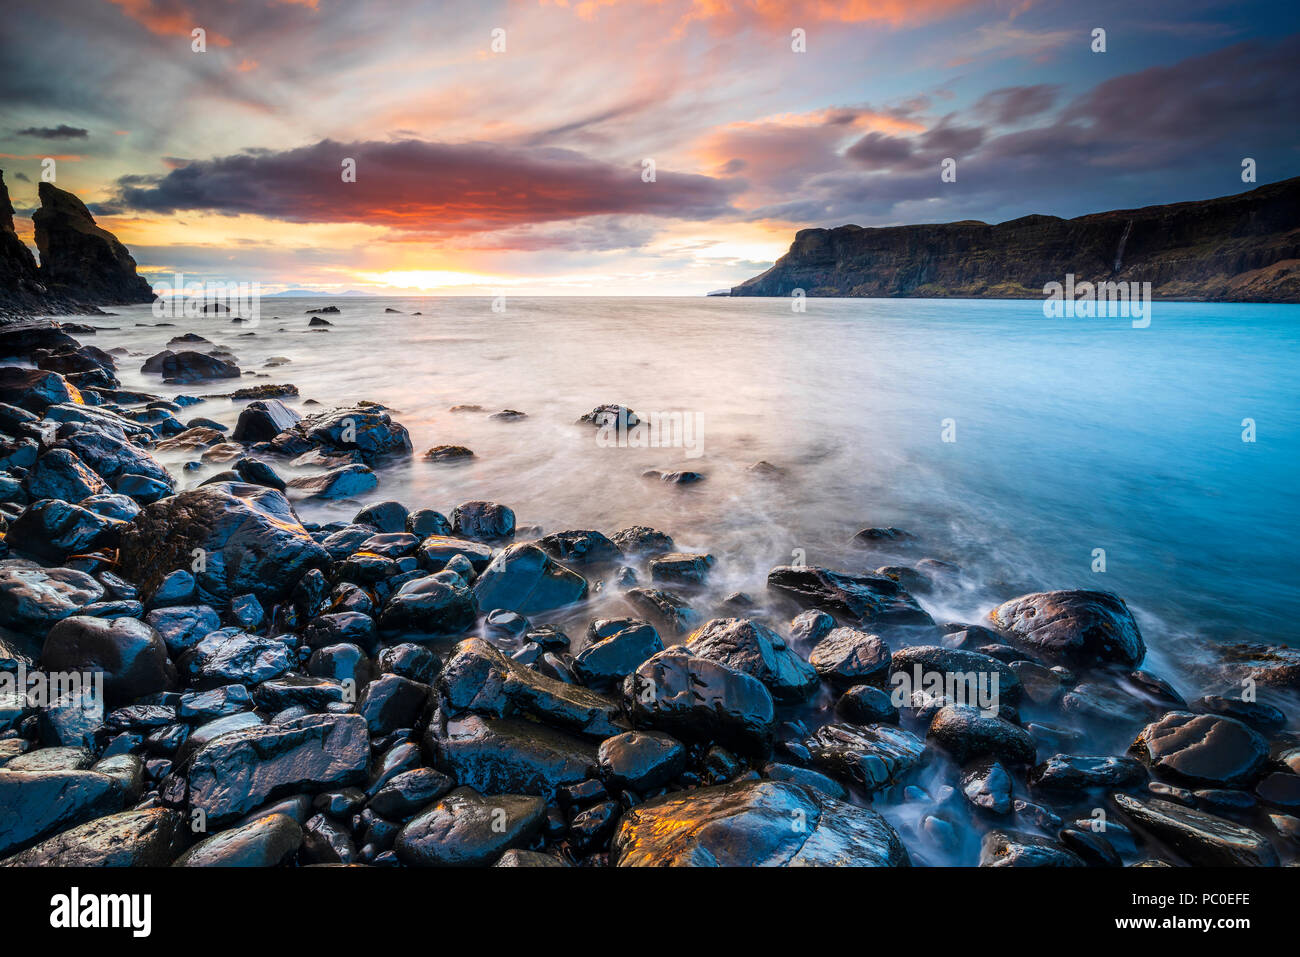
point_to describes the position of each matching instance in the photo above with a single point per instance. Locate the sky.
(595, 147)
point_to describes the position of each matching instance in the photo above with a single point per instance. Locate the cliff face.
(1235, 248)
(18, 280)
(82, 265)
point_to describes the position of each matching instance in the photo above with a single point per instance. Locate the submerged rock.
(754, 823)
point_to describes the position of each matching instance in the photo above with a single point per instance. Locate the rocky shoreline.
(398, 689)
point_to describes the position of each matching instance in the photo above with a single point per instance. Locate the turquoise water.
(1071, 435)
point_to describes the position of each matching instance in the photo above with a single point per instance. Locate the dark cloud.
(1158, 135)
(60, 132)
(948, 140)
(879, 150)
(1011, 104)
(418, 186)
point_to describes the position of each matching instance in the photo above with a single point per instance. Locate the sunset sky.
(521, 171)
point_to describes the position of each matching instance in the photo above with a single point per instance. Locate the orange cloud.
(167, 18)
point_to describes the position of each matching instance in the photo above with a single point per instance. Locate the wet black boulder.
(701, 700)
(249, 537)
(1083, 628)
(129, 653)
(863, 599)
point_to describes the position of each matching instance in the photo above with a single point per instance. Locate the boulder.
(232, 657)
(34, 389)
(466, 829)
(523, 578)
(873, 756)
(861, 599)
(479, 678)
(680, 568)
(266, 842)
(1201, 839)
(583, 547)
(1074, 772)
(758, 651)
(1018, 849)
(641, 760)
(113, 459)
(52, 530)
(701, 700)
(146, 837)
(365, 429)
(186, 367)
(429, 606)
(848, 657)
(1202, 750)
(483, 520)
(241, 770)
(1082, 628)
(754, 823)
(60, 474)
(346, 481)
(32, 598)
(262, 420)
(249, 536)
(969, 670)
(966, 732)
(615, 648)
(509, 755)
(34, 804)
(130, 655)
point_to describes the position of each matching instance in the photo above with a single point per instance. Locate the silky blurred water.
(1071, 435)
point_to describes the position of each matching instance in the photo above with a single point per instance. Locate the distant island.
(1242, 248)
